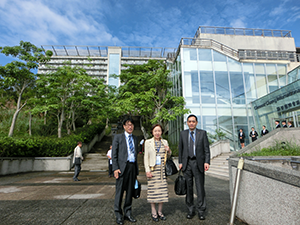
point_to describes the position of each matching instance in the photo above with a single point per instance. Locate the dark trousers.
(125, 183)
(254, 139)
(192, 171)
(110, 173)
(77, 170)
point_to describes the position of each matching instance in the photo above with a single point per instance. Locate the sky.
(138, 23)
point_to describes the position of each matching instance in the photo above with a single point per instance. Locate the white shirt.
(77, 153)
(109, 155)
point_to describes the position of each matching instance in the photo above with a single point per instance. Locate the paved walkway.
(54, 198)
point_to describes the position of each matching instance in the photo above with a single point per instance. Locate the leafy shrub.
(47, 146)
(279, 149)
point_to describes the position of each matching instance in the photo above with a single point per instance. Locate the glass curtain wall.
(114, 68)
(219, 90)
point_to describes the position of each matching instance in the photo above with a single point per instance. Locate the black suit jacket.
(262, 132)
(202, 149)
(255, 134)
(120, 154)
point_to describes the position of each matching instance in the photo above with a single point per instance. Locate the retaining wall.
(268, 194)
(13, 165)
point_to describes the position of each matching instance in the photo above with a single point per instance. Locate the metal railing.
(268, 55)
(242, 31)
(102, 51)
(209, 43)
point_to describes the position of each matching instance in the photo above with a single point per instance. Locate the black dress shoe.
(190, 215)
(161, 216)
(201, 216)
(130, 218)
(119, 220)
(154, 217)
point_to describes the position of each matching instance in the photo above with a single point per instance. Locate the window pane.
(207, 87)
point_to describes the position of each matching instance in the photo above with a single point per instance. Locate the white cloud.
(39, 23)
(238, 23)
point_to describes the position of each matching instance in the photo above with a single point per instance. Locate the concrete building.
(219, 72)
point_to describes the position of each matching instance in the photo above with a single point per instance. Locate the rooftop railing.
(241, 53)
(242, 31)
(102, 51)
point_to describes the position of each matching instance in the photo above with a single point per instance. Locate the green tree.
(18, 75)
(145, 92)
(66, 92)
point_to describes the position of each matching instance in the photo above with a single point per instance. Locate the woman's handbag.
(171, 168)
(137, 189)
(180, 184)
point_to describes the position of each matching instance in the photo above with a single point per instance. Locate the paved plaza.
(54, 198)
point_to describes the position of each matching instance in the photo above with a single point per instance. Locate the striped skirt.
(157, 184)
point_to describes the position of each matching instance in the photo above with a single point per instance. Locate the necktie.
(191, 150)
(130, 144)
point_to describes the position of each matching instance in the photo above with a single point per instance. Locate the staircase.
(219, 167)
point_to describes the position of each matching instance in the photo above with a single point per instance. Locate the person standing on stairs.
(110, 173)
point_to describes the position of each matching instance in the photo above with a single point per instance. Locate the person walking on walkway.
(110, 174)
(77, 160)
(194, 159)
(253, 134)
(125, 167)
(156, 151)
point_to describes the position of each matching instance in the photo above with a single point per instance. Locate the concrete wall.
(254, 42)
(268, 194)
(279, 135)
(13, 165)
(219, 147)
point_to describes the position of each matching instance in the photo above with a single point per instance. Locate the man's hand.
(206, 166)
(116, 173)
(180, 166)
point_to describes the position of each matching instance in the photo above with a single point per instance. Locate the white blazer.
(150, 153)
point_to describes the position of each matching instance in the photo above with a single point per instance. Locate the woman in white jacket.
(156, 150)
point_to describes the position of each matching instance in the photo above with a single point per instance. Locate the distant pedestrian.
(253, 134)
(284, 124)
(110, 173)
(142, 146)
(242, 138)
(277, 124)
(264, 131)
(77, 159)
(290, 124)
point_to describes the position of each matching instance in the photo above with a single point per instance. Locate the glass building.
(219, 81)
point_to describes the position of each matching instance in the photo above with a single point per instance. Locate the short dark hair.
(283, 121)
(157, 125)
(277, 121)
(79, 142)
(264, 126)
(127, 120)
(192, 115)
(252, 127)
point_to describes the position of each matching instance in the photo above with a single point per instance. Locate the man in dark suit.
(277, 124)
(264, 131)
(290, 124)
(125, 167)
(194, 159)
(253, 134)
(284, 124)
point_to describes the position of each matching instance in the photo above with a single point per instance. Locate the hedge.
(47, 146)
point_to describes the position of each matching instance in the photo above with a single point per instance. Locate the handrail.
(242, 31)
(268, 55)
(205, 42)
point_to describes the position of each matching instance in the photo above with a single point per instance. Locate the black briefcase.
(180, 184)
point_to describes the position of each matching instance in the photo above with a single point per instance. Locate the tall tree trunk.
(73, 120)
(60, 123)
(30, 119)
(45, 117)
(19, 108)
